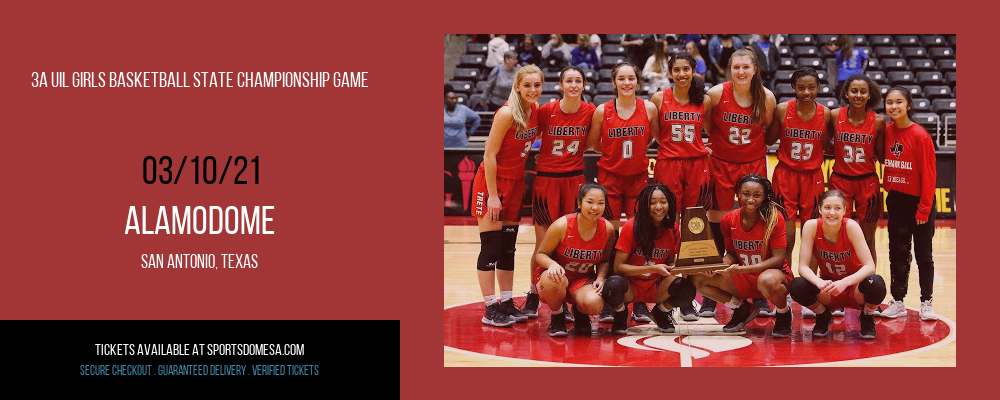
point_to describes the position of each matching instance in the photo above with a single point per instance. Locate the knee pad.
(803, 291)
(873, 287)
(615, 287)
(681, 292)
(490, 250)
(507, 242)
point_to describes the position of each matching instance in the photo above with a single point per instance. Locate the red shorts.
(688, 178)
(576, 281)
(798, 191)
(861, 194)
(644, 288)
(845, 299)
(511, 194)
(554, 197)
(622, 192)
(725, 175)
(746, 284)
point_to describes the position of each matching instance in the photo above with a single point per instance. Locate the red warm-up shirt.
(910, 165)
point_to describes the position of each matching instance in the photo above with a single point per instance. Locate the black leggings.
(903, 230)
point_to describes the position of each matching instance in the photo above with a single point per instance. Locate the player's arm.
(778, 245)
(501, 124)
(596, 123)
(715, 96)
(864, 254)
(553, 236)
(774, 130)
(769, 106)
(827, 135)
(657, 101)
(806, 253)
(605, 265)
(831, 127)
(879, 138)
(706, 118)
(654, 122)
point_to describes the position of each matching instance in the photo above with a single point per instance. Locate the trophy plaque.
(697, 252)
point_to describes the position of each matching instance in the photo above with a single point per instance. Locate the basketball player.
(755, 249)
(910, 176)
(498, 189)
(846, 268)
(741, 112)
(573, 261)
(682, 159)
(646, 250)
(563, 125)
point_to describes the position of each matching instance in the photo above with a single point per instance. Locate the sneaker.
(707, 308)
(867, 323)
(557, 326)
(494, 316)
(823, 321)
(807, 313)
(569, 315)
(620, 324)
(838, 312)
(896, 309)
(765, 309)
(782, 324)
(640, 312)
(927, 311)
(664, 319)
(582, 326)
(688, 313)
(531, 306)
(608, 315)
(509, 308)
(742, 315)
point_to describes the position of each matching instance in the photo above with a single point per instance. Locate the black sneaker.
(640, 312)
(607, 315)
(742, 315)
(664, 319)
(707, 308)
(557, 326)
(494, 316)
(582, 324)
(823, 321)
(620, 325)
(530, 306)
(509, 308)
(782, 324)
(569, 315)
(765, 309)
(688, 313)
(867, 323)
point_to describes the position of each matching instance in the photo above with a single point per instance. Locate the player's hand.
(556, 273)
(662, 269)
(708, 147)
(919, 222)
(836, 288)
(823, 284)
(732, 270)
(493, 207)
(599, 284)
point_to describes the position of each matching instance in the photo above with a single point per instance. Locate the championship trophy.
(697, 252)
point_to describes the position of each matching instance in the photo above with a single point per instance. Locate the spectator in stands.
(456, 119)
(656, 71)
(850, 61)
(829, 55)
(497, 47)
(638, 47)
(584, 56)
(528, 53)
(720, 48)
(595, 42)
(767, 53)
(556, 52)
(500, 81)
(700, 69)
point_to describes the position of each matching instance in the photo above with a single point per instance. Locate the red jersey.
(735, 137)
(515, 147)
(910, 165)
(623, 142)
(580, 257)
(664, 247)
(680, 128)
(854, 146)
(800, 148)
(836, 260)
(563, 137)
(746, 245)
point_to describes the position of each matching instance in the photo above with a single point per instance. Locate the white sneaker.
(838, 312)
(927, 311)
(807, 313)
(896, 309)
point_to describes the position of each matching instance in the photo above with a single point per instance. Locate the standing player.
(646, 251)
(910, 176)
(742, 110)
(498, 189)
(682, 160)
(858, 137)
(846, 268)
(563, 125)
(573, 261)
(755, 247)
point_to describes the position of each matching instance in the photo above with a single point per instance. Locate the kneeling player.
(847, 271)
(573, 261)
